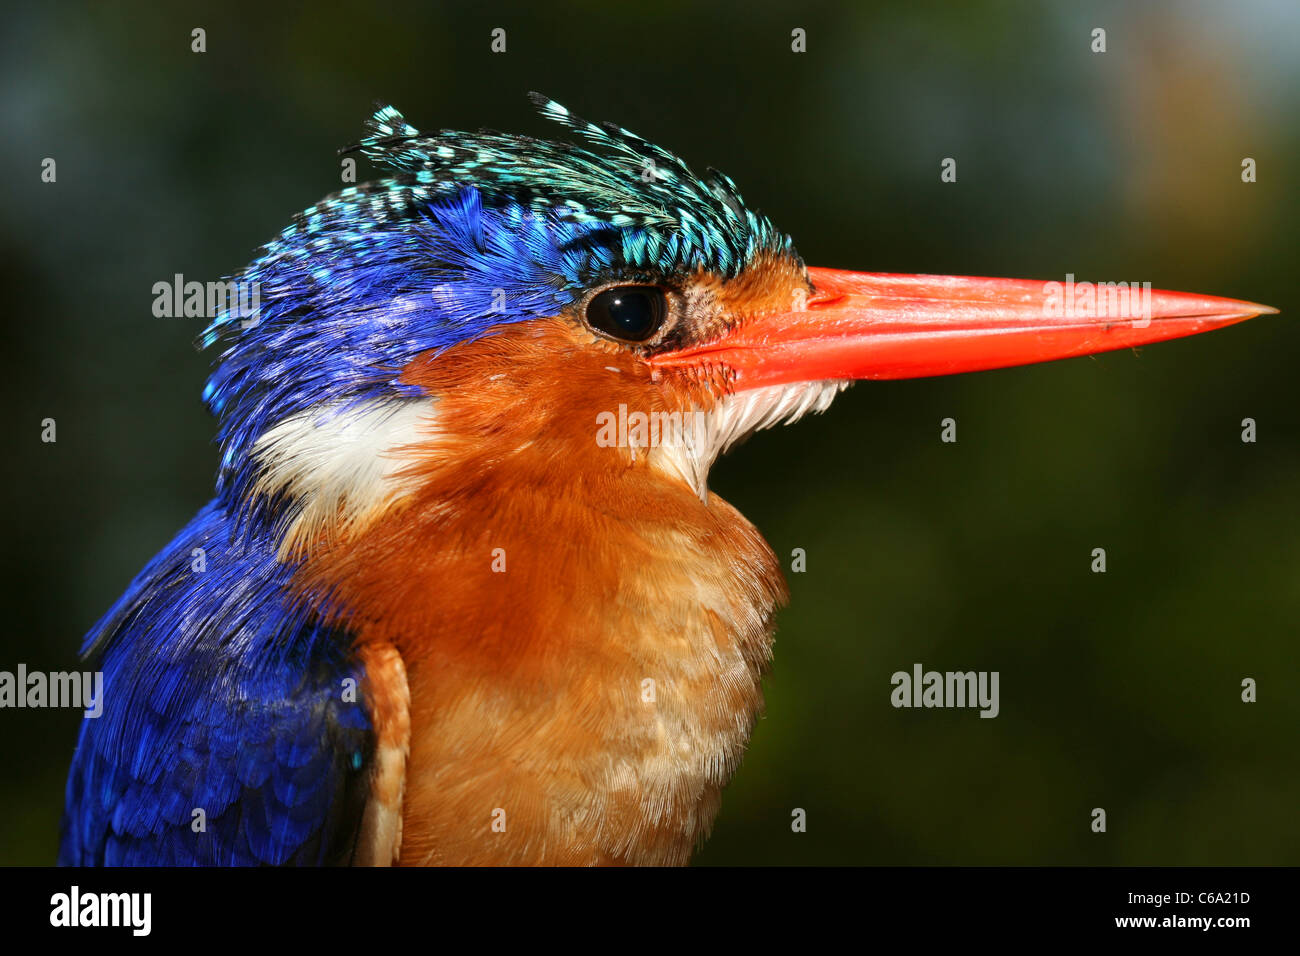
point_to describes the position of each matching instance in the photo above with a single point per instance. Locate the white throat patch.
(737, 417)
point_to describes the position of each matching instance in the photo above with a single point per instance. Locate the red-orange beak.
(859, 325)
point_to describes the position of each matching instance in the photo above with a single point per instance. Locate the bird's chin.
(733, 419)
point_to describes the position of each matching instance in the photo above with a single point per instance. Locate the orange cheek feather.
(583, 638)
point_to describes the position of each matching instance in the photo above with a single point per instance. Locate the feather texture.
(473, 231)
(227, 735)
(256, 671)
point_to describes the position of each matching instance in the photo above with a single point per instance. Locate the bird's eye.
(630, 313)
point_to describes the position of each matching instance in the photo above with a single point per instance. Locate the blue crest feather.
(367, 279)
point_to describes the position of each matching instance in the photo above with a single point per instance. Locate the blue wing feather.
(220, 696)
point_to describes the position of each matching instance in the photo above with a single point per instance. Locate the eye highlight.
(629, 313)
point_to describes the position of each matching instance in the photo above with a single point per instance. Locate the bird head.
(587, 309)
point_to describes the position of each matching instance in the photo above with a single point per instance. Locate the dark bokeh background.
(1118, 690)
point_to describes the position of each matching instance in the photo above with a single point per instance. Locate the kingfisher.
(463, 595)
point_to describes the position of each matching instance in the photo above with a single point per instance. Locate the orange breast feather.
(582, 636)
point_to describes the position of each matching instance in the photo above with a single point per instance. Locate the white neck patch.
(340, 464)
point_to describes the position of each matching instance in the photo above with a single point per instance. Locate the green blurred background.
(1119, 690)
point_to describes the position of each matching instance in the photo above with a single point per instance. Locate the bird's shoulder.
(235, 726)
